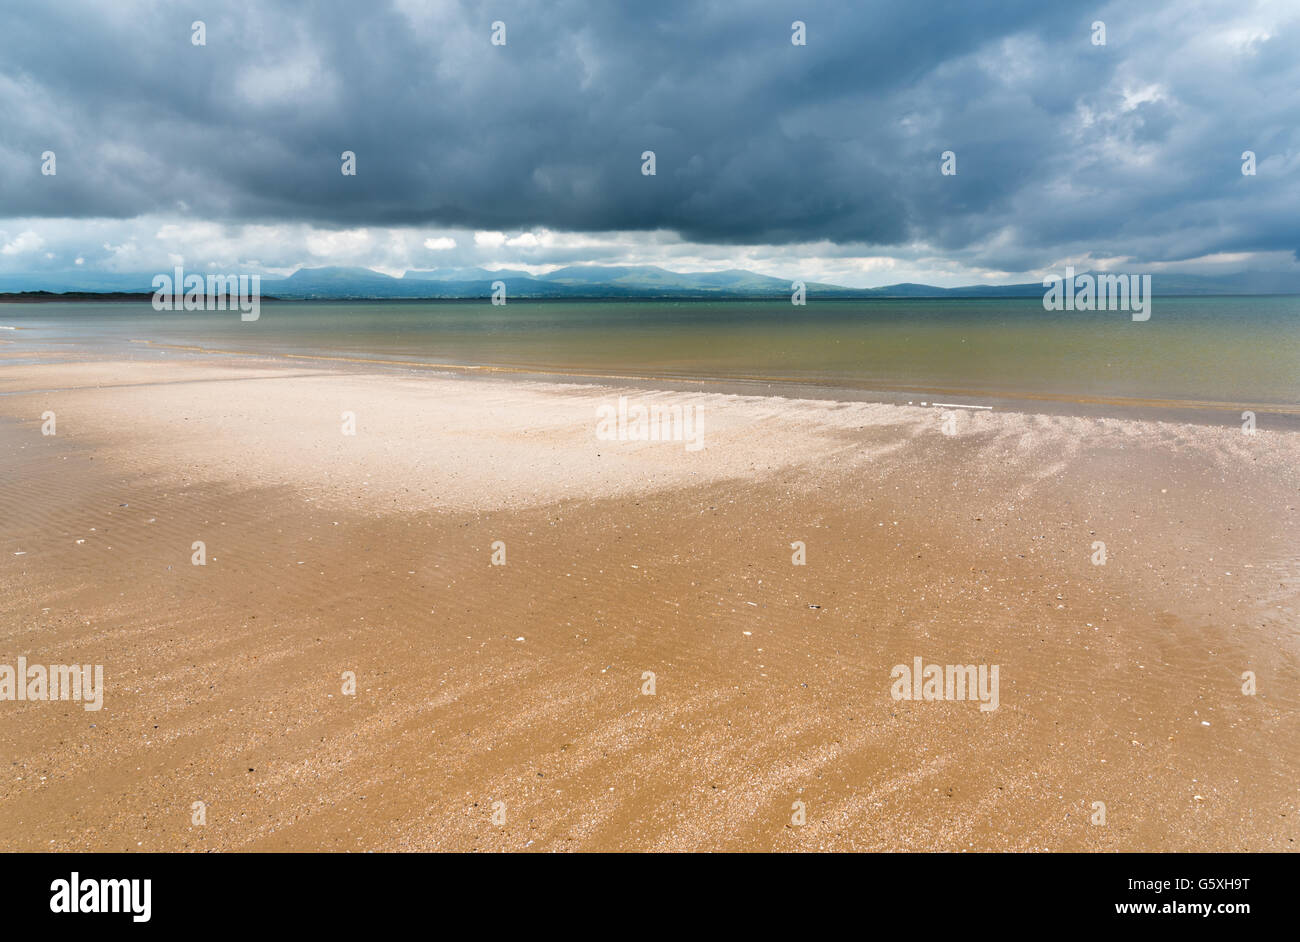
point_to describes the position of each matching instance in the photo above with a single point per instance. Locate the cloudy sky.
(819, 161)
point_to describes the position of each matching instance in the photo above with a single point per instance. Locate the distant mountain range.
(599, 281)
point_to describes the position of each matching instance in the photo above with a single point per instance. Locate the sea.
(1202, 355)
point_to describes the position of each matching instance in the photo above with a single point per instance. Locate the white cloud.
(28, 241)
(158, 243)
(330, 243)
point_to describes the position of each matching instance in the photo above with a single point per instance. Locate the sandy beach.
(507, 707)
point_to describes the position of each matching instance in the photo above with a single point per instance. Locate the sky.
(820, 161)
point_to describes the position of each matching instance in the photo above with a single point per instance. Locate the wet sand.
(371, 553)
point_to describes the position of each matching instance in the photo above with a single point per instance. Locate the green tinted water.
(1218, 350)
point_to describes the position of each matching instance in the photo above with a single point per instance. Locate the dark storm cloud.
(1062, 146)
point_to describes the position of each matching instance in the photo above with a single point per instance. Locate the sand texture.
(504, 707)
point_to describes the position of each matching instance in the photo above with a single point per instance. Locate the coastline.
(1281, 416)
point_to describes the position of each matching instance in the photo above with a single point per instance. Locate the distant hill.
(31, 297)
(601, 281)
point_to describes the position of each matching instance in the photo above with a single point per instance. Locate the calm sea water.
(1243, 350)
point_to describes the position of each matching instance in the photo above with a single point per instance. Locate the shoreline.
(1274, 415)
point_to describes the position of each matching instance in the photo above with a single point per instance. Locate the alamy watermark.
(1098, 293)
(84, 682)
(191, 293)
(78, 894)
(946, 682)
(653, 422)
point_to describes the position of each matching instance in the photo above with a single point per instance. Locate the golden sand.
(503, 707)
